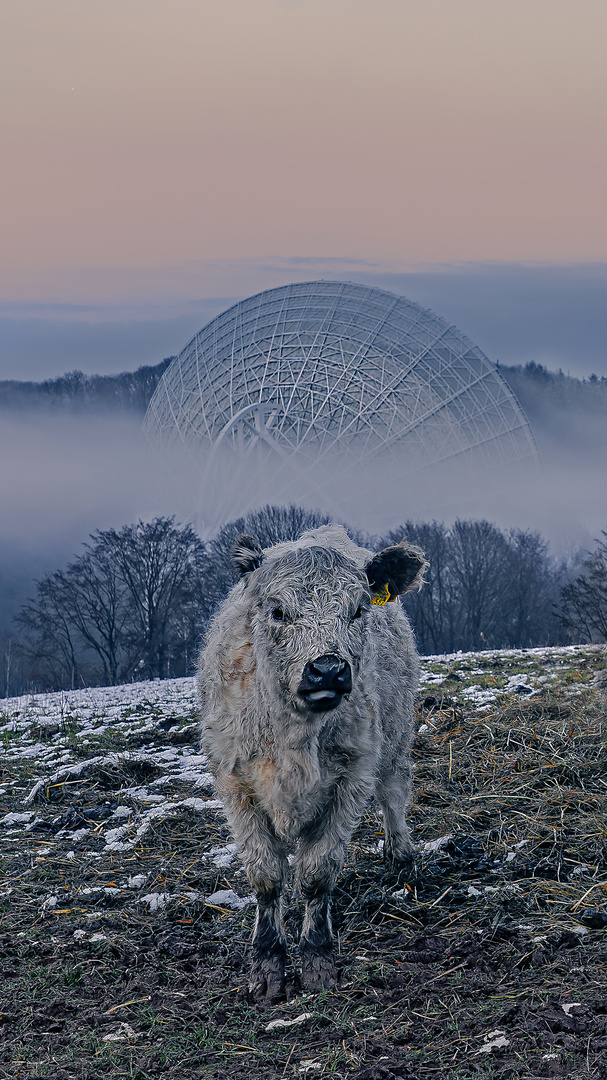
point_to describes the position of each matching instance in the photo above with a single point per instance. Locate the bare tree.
(50, 640)
(431, 610)
(99, 606)
(8, 657)
(584, 600)
(531, 592)
(479, 559)
(159, 564)
(484, 588)
(135, 600)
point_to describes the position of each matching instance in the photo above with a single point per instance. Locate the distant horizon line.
(593, 377)
(172, 299)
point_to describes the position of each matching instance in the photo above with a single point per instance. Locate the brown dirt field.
(490, 962)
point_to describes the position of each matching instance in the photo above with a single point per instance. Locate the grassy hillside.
(125, 914)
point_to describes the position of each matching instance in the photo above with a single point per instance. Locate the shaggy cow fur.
(307, 691)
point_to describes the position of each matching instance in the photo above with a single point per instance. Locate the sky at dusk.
(162, 158)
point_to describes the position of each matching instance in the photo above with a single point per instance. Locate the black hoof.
(267, 978)
(394, 857)
(400, 869)
(318, 970)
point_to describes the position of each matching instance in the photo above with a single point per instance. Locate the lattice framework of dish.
(336, 371)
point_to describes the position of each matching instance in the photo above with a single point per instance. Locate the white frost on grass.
(518, 685)
(301, 1019)
(200, 805)
(567, 1006)
(36, 751)
(435, 845)
(89, 765)
(107, 890)
(228, 898)
(204, 779)
(137, 881)
(147, 710)
(159, 900)
(76, 835)
(107, 704)
(477, 696)
(156, 900)
(114, 838)
(494, 1040)
(222, 856)
(474, 892)
(124, 1033)
(14, 819)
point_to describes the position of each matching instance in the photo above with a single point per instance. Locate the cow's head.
(310, 615)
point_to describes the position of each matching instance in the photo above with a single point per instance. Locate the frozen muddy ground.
(125, 913)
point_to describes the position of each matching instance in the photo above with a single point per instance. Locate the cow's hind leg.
(394, 795)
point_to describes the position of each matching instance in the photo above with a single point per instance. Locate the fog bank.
(64, 476)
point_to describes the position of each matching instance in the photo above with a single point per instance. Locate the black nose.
(327, 672)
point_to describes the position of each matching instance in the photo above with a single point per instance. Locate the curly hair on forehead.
(309, 565)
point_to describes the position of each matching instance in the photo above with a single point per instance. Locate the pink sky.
(148, 145)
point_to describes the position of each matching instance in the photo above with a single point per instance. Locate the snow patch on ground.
(222, 856)
(228, 898)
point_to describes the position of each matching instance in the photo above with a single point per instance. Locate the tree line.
(129, 392)
(135, 604)
(544, 395)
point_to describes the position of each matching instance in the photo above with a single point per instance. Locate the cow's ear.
(395, 570)
(246, 554)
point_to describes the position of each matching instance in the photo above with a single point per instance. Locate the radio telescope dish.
(329, 393)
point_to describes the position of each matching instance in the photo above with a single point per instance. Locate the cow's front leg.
(265, 861)
(318, 861)
(267, 976)
(318, 969)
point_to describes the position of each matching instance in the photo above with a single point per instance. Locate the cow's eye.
(279, 615)
(357, 614)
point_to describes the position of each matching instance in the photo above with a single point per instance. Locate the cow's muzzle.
(324, 682)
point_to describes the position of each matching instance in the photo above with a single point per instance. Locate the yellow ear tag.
(382, 596)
